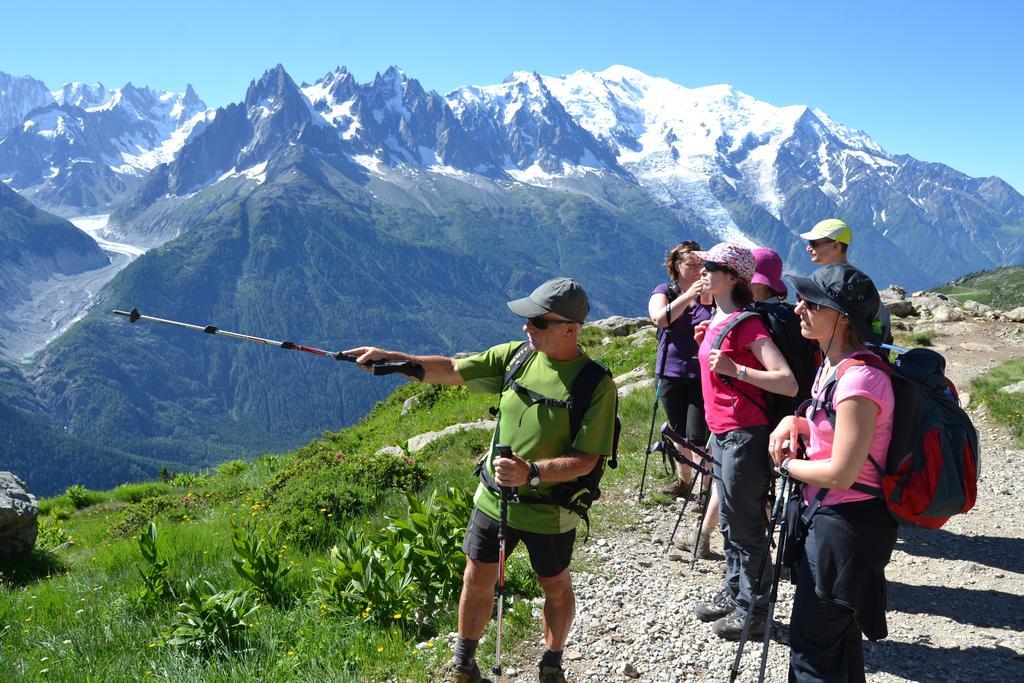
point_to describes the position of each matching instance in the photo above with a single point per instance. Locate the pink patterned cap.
(768, 270)
(734, 256)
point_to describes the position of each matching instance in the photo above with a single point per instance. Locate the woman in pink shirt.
(841, 577)
(739, 363)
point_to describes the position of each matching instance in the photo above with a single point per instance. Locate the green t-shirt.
(536, 431)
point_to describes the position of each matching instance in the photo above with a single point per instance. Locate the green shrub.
(133, 493)
(81, 497)
(315, 497)
(130, 520)
(259, 560)
(155, 586)
(62, 512)
(208, 621)
(405, 574)
(188, 479)
(231, 468)
(51, 535)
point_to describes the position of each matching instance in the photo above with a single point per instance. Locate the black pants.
(840, 591)
(684, 407)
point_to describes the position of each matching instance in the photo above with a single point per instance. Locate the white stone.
(418, 442)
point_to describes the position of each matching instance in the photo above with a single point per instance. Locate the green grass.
(72, 613)
(1002, 288)
(1006, 408)
(909, 340)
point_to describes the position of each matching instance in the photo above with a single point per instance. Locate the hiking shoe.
(453, 673)
(720, 606)
(551, 674)
(677, 489)
(703, 543)
(730, 627)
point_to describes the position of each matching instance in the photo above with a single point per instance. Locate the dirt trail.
(956, 594)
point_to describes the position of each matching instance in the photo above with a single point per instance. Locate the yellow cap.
(830, 228)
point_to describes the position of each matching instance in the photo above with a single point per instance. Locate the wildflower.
(151, 646)
(380, 649)
(398, 615)
(291, 653)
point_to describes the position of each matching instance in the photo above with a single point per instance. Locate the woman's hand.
(700, 330)
(694, 291)
(783, 439)
(719, 362)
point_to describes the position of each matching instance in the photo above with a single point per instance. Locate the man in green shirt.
(544, 454)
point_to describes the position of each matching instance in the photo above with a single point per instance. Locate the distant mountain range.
(340, 212)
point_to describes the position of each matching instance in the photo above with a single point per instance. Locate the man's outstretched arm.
(436, 369)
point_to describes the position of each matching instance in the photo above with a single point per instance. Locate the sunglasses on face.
(814, 244)
(810, 305)
(544, 323)
(712, 267)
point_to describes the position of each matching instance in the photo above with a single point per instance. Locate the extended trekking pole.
(667, 447)
(780, 550)
(654, 412)
(778, 512)
(703, 497)
(379, 367)
(501, 451)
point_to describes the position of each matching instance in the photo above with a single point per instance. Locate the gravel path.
(956, 594)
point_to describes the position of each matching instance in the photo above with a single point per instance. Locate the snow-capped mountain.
(18, 96)
(90, 146)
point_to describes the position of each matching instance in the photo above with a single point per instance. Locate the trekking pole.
(777, 512)
(668, 448)
(501, 451)
(787, 492)
(654, 412)
(379, 367)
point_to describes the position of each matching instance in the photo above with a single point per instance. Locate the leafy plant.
(51, 535)
(80, 497)
(259, 560)
(155, 586)
(208, 621)
(232, 468)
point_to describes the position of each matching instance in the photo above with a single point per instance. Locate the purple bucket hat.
(735, 257)
(768, 270)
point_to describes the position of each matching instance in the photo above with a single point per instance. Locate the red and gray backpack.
(932, 466)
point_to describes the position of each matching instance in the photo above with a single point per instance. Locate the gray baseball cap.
(561, 296)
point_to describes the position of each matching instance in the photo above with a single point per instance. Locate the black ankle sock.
(551, 658)
(465, 651)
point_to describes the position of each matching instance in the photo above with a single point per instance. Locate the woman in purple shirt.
(676, 309)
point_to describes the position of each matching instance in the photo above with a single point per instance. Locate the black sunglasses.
(814, 244)
(811, 306)
(712, 266)
(544, 323)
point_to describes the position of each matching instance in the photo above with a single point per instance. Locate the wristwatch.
(534, 479)
(741, 372)
(784, 467)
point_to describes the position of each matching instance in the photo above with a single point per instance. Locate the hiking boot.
(453, 673)
(551, 674)
(730, 627)
(703, 543)
(677, 489)
(721, 605)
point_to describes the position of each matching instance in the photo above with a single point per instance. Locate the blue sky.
(940, 80)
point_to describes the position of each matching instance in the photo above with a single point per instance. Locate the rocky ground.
(956, 594)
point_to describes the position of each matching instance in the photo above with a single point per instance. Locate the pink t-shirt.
(858, 380)
(725, 407)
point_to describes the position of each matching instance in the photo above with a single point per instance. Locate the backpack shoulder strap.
(582, 394)
(523, 353)
(732, 325)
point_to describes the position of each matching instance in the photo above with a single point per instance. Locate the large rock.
(976, 308)
(619, 326)
(420, 441)
(945, 314)
(19, 517)
(901, 308)
(1016, 315)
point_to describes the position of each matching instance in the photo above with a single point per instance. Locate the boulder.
(893, 293)
(1015, 388)
(929, 301)
(627, 389)
(1016, 315)
(619, 326)
(19, 517)
(901, 308)
(409, 404)
(976, 308)
(418, 442)
(631, 376)
(944, 314)
(394, 451)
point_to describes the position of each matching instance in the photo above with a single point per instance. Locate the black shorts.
(549, 553)
(684, 407)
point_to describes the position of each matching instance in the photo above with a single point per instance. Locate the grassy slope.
(1002, 288)
(68, 612)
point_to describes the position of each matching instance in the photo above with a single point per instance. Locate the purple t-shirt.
(680, 360)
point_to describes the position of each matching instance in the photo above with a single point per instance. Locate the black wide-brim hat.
(842, 287)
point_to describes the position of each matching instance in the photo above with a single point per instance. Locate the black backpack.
(579, 495)
(802, 355)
